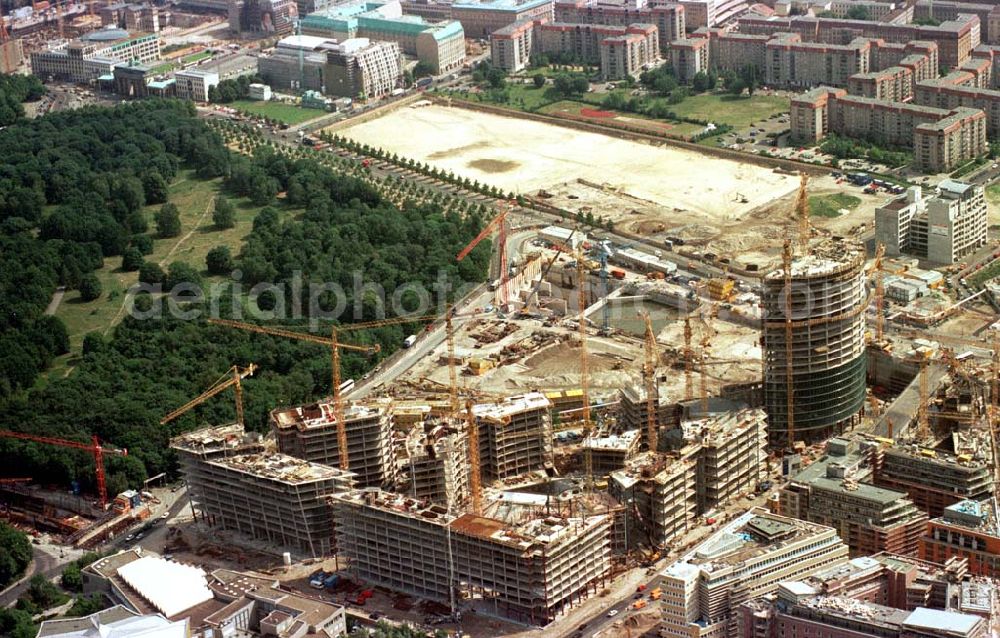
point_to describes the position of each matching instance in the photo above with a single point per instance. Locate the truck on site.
(409, 341)
(639, 604)
(317, 578)
(656, 593)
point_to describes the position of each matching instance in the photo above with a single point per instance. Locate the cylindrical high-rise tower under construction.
(827, 334)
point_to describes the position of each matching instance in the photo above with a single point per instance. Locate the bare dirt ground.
(525, 156)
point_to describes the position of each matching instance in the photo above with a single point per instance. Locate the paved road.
(44, 563)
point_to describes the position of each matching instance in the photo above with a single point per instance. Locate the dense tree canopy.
(328, 229)
(15, 553)
(15, 89)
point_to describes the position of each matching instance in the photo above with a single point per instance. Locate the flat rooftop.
(510, 406)
(321, 414)
(217, 438)
(281, 468)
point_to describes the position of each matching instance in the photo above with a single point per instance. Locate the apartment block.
(959, 89)
(514, 435)
(735, 51)
(438, 464)
(831, 491)
(480, 18)
(309, 432)
(746, 559)
(628, 55)
(193, 84)
(531, 572)
(268, 17)
(511, 47)
(271, 497)
(942, 228)
(947, 10)
(967, 529)
(955, 39)
(797, 611)
(942, 139)
(668, 17)
(794, 63)
(94, 55)
(689, 56)
(894, 84)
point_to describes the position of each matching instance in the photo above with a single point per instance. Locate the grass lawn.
(287, 113)
(166, 67)
(532, 98)
(993, 193)
(193, 198)
(196, 57)
(831, 205)
(738, 112)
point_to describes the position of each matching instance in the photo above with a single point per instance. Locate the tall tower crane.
(876, 268)
(238, 375)
(802, 214)
(498, 223)
(605, 251)
(581, 287)
(688, 361)
(706, 347)
(649, 372)
(94, 448)
(786, 259)
(475, 471)
(923, 423)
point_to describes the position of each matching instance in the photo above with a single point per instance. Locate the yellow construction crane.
(650, 374)
(802, 214)
(706, 348)
(335, 347)
(688, 361)
(786, 259)
(235, 375)
(452, 372)
(876, 268)
(475, 471)
(923, 423)
(588, 457)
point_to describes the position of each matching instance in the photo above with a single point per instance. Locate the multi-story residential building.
(627, 55)
(441, 44)
(689, 57)
(94, 55)
(942, 139)
(481, 18)
(193, 84)
(794, 63)
(270, 17)
(955, 39)
(667, 16)
(297, 63)
(942, 228)
(894, 84)
(949, 10)
(512, 46)
(967, 529)
(744, 560)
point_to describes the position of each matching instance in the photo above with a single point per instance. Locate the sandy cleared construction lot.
(525, 156)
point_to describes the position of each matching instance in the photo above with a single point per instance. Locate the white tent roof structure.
(170, 587)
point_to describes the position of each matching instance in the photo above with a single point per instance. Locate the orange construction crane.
(235, 375)
(688, 361)
(94, 447)
(649, 372)
(498, 223)
(786, 259)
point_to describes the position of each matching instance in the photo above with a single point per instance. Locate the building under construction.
(814, 342)
(309, 432)
(633, 411)
(514, 435)
(272, 497)
(438, 464)
(531, 572)
(834, 491)
(732, 458)
(935, 478)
